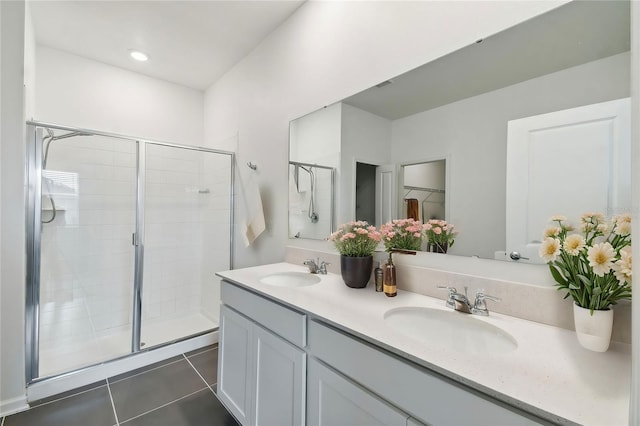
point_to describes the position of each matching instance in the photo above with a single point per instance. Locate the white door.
(235, 364)
(567, 162)
(279, 382)
(386, 199)
(334, 400)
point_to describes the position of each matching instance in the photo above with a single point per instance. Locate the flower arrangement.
(356, 239)
(405, 234)
(594, 264)
(440, 234)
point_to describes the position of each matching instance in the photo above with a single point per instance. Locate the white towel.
(255, 224)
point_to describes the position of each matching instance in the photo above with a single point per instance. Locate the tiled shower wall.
(299, 220)
(187, 230)
(87, 257)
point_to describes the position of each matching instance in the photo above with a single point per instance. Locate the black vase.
(438, 247)
(356, 271)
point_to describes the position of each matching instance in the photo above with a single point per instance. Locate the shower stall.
(124, 238)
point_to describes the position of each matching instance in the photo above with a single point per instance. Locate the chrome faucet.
(460, 302)
(317, 266)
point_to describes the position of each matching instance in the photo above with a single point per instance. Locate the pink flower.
(438, 231)
(427, 226)
(361, 231)
(347, 236)
(417, 235)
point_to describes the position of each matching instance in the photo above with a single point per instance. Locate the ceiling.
(191, 43)
(570, 35)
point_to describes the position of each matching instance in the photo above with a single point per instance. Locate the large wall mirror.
(454, 115)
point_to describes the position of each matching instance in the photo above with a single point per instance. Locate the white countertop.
(548, 374)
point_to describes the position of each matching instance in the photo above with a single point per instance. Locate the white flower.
(623, 228)
(558, 218)
(552, 231)
(623, 218)
(550, 249)
(573, 244)
(622, 268)
(600, 258)
(602, 228)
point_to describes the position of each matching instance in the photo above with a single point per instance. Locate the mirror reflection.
(458, 108)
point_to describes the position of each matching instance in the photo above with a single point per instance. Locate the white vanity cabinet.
(261, 368)
(428, 396)
(334, 400)
(276, 367)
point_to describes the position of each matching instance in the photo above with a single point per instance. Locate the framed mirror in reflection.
(458, 108)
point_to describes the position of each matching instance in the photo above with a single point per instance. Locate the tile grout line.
(146, 371)
(65, 397)
(198, 373)
(113, 405)
(162, 406)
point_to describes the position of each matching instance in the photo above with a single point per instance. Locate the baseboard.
(14, 405)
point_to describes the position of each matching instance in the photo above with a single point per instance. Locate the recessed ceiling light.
(138, 55)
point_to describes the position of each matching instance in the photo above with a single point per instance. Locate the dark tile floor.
(175, 392)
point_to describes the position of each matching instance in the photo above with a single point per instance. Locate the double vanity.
(299, 348)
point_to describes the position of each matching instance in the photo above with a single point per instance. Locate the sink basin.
(450, 329)
(290, 279)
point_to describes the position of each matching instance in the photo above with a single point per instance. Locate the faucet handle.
(450, 302)
(322, 268)
(480, 306)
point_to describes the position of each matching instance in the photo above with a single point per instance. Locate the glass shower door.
(88, 212)
(187, 231)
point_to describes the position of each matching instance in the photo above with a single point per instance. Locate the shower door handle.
(134, 241)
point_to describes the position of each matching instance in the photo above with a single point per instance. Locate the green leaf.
(557, 274)
(586, 281)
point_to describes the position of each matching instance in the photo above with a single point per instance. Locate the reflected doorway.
(424, 190)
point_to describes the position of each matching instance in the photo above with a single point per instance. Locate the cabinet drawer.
(427, 396)
(285, 322)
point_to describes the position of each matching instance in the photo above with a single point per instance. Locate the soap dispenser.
(379, 277)
(389, 278)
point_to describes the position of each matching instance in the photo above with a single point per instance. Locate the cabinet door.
(280, 381)
(335, 400)
(235, 363)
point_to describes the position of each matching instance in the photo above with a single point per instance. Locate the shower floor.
(71, 355)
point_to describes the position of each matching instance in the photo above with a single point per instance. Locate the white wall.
(472, 133)
(325, 52)
(12, 289)
(366, 138)
(79, 92)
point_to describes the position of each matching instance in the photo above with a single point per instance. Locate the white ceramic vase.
(593, 331)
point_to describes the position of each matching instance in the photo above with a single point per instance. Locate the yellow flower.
(573, 244)
(600, 258)
(550, 249)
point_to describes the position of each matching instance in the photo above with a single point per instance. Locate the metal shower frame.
(34, 230)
